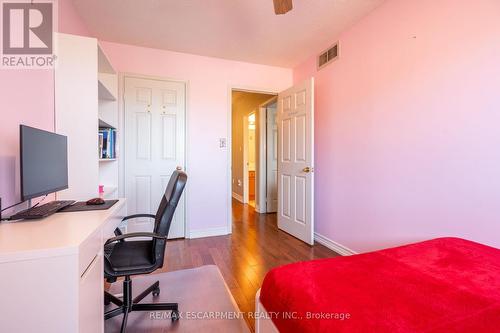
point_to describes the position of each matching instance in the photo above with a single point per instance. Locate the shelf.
(103, 124)
(104, 93)
(103, 65)
(107, 85)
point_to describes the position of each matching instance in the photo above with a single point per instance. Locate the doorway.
(294, 156)
(248, 148)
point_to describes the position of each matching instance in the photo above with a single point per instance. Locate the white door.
(154, 146)
(272, 160)
(295, 161)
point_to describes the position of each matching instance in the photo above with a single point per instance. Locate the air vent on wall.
(328, 56)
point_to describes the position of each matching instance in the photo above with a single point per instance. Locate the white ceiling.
(245, 30)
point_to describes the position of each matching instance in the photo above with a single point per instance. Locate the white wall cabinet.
(76, 112)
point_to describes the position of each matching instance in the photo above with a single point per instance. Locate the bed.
(441, 285)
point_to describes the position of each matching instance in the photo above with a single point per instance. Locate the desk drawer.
(88, 250)
(94, 244)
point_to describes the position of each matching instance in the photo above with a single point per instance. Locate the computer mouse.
(96, 201)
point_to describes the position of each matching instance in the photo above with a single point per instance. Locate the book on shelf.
(107, 143)
(101, 143)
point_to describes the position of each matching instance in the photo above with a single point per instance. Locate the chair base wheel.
(128, 304)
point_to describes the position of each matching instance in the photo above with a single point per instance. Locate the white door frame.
(229, 143)
(121, 122)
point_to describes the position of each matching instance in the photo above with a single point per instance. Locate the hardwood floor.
(244, 257)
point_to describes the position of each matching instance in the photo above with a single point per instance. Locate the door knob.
(307, 169)
(179, 168)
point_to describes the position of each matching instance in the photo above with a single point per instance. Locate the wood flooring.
(244, 257)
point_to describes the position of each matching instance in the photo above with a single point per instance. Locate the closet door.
(154, 147)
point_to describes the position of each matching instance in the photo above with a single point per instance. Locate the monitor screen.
(44, 162)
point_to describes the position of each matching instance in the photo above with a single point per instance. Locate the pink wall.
(70, 21)
(27, 97)
(208, 105)
(407, 126)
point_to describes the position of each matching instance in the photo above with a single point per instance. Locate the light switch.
(222, 143)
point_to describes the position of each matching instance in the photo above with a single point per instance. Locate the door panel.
(143, 141)
(287, 191)
(296, 161)
(143, 95)
(300, 199)
(300, 139)
(286, 143)
(169, 136)
(169, 98)
(154, 147)
(143, 199)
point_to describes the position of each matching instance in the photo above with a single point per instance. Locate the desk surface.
(58, 234)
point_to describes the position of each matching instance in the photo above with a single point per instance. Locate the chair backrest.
(166, 212)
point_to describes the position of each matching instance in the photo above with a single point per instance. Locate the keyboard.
(42, 211)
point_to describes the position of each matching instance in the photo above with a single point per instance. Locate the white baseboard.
(210, 232)
(332, 245)
(238, 197)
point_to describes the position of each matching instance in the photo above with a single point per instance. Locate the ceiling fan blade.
(282, 6)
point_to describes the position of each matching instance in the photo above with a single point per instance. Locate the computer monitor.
(44, 162)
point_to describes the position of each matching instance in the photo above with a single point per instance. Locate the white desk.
(51, 271)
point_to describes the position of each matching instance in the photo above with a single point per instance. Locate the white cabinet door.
(296, 161)
(91, 299)
(154, 145)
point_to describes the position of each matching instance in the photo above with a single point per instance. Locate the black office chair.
(127, 258)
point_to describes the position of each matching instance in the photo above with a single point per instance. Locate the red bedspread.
(444, 285)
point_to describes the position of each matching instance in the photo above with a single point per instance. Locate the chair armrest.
(137, 216)
(133, 235)
(118, 232)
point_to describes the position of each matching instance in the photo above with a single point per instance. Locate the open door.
(272, 159)
(295, 119)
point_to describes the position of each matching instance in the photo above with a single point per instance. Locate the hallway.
(244, 257)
